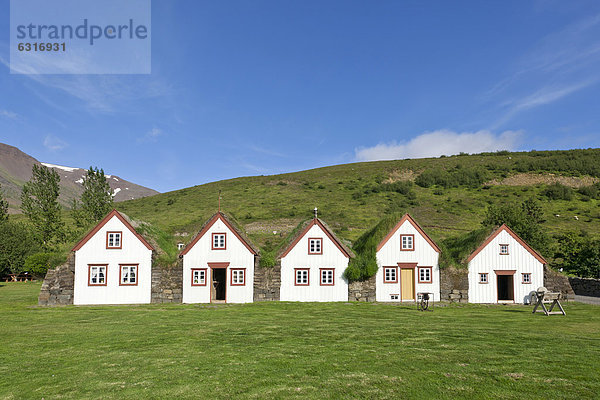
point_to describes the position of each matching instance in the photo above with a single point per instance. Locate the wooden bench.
(543, 298)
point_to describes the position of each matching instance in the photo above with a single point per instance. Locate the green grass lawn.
(280, 350)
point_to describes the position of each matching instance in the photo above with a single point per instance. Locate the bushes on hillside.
(592, 191)
(459, 176)
(556, 191)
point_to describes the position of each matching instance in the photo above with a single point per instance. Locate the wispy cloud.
(54, 143)
(561, 64)
(105, 94)
(8, 114)
(440, 142)
(151, 136)
(268, 152)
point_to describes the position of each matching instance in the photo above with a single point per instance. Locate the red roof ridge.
(407, 217)
(219, 215)
(316, 221)
(512, 233)
(109, 216)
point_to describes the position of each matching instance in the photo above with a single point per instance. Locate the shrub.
(267, 259)
(592, 191)
(361, 268)
(39, 263)
(557, 191)
(402, 187)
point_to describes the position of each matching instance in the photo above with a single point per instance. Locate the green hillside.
(448, 196)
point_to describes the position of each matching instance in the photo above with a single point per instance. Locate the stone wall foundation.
(57, 288)
(362, 290)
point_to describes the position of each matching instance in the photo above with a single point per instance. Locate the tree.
(525, 219)
(3, 206)
(16, 243)
(39, 202)
(96, 199)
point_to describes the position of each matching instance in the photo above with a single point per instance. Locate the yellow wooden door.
(407, 283)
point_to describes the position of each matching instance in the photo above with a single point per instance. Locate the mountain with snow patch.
(15, 170)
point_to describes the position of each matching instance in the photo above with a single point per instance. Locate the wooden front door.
(407, 283)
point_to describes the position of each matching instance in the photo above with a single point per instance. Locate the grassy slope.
(282, 350)
(266, 203)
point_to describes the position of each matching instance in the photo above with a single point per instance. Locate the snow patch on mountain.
(68, 169)
(117, 190)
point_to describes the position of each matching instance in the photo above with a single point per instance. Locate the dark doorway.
(505, 288)
(219, 282)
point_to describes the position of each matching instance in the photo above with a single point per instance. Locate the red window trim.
(212, 241)
(120, 240)
(430, 274)
(487, 280)
(231, 277)
(205, 277)
(523, 278)
(386, 281)
(413, 242)
(507, 249)
(296, 277)
(90, 274)
(321, 277)
(320, 247)
(137, 278)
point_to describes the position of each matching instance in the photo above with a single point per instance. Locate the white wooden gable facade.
(113, 264)
(313, 265)
(218, 265)
(504, 269)
(407, 261)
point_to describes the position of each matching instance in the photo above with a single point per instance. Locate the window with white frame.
(390, 275)
(315, 246)
(393, 297)
(238, 277)
(301, 277)
(425, 275)
(504, 249)
(199, 277)
(527, 277)
(219, 241)
(113, 240)
(327, 277)
(407, 242)
(483, 278)
(97, 275)
(129, 274)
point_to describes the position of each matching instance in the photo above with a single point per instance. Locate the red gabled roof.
(113, 213)
(504, 227)
(408, 218)
(215, 218)
(347, 252)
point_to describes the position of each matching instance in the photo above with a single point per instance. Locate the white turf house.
(113, 264)
(504, 269)
(313, 265)
(408, 263)
(218, 264)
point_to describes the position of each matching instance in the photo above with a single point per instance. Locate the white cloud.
(440, 142)
(151, 136)
(8, 114)
(53, 143)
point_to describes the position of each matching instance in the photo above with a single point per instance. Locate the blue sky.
(249, 87)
